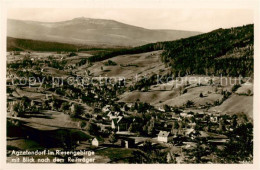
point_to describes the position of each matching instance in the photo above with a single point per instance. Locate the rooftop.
(164, 134)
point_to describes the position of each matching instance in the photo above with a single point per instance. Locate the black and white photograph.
(127, 85)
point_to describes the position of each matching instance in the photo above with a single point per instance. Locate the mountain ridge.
(90, 31)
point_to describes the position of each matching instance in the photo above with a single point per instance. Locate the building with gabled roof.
(163, 136)
(96, 142)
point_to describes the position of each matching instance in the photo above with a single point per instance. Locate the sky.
(203, 20)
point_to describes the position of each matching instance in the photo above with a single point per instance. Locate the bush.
(189, 103)
(76, 111)
(184, 91)
(72, 54)
(112, 138)
(235, 87)
(110, 63)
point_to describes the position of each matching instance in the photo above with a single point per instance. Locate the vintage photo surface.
(129, 85)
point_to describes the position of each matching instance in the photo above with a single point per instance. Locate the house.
(96, 142)
(114, 115)
(183, 114)
(163, 136)
(121, 123)
(127, 143)
(161, 109)
(129, 105)
(214, 119)
(115, 122)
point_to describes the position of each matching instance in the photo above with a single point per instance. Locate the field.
(130, 66)
(236, 104)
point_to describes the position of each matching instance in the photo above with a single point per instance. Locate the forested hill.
(17, 44)
(223, 51)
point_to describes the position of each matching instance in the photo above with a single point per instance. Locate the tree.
(150, 129)
(175, 128)
(235, 87)
(145, 129)
(240, 146)
(222, 126)
(234, 121)
(64, 107)
(72, 54)
(197, 153)
(180, 89)
(131, 128)
(17, 109)
(90, 128)
(153, 155)
(147, 146)
(112, 138)
(201, 95)
(249, 92)
(189, 103)
(76, 110)
(176, 125)
(82, 124)
(146, 88)
(176, 110)
(166, 108)
(126, 107)
(52, 105)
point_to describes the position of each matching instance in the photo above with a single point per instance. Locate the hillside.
(137, 64)
(91, 32)
(223, 51)
(236, 104)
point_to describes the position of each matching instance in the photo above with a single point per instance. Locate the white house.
(161, 109)
(95, 142)
(183, 114)
(115, 122)
(112, 115)
(214, 119)
(163, 136)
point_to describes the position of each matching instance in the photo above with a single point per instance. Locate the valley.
(162, 102)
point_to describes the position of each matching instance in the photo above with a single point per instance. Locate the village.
(170, 134)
